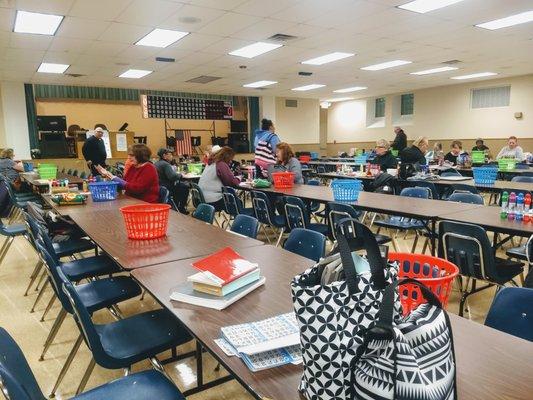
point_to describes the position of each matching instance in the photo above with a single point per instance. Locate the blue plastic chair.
(522, 253)
(204, 212)
(69, 172)
(245, 225)
(233, 204)
(450, 172)
(266, 215)
(434, 193)
(83, 175)
(470, 198)
(164, 195)
(525, 179)
(297, 216)
(10, 232)
(122, 343)
(307, 243)
(75, 172)
(20, 384)
(510, 312)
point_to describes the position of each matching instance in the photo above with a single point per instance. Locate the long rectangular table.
(490, 364)
(32, 178)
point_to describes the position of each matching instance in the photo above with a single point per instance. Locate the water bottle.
(527, 208)
(505, 204)
(511, 207)
(519, 207)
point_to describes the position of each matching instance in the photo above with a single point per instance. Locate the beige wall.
(298, 125)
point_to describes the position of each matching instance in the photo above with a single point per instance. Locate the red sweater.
(143, 183)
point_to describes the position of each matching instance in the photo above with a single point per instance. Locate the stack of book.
(224, 278)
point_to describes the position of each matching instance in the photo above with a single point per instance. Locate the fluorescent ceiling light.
(307, 87)
(135, 73)
(339, 99)
(385, 65)
(51, 68)
(478, 75)
(516, 19)
(256, 49)
(434, 71)
(259, 84)
(350, 89)
(328, 58)
(424, 6)
(42, 24)
(161, 38)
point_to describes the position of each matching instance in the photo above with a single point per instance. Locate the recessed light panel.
(350, 89)
(37, 23)
(424, 6)
(385, 65)
(135, 73)
(259, 84)
(161, 38)
(51, 68)
(516, 19)
(434, 71)
(339, 99)
(472, 76)
(307, 87)
(328, 58)
(256, 49)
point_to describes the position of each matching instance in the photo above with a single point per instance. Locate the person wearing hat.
(170, 179)
(94, 151)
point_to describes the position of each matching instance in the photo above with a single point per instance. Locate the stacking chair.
(75, 172)
(233, 205)
(204, 212)
(468, 247)
(450, 172)
(470, 198)
(19, 383)
(245, 225)
(164, 195)
(10, 232)
(297, 216)
(307, 243)
(69, 172)
(510, 312)
(83, 175)
(522, 252)
(434, 193)
(525, 179)
(197, 196)
(122, 343)
(266, 215)
(458, 188)
(314, 206)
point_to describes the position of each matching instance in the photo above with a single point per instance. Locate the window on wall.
(407, 104)
(379, 110)
(491, 97)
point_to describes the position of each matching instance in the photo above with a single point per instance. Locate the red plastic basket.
(437, 274)
(283, 180)
(146, 221)
(304, 159)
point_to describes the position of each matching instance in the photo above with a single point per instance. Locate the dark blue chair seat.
(89, 267)
(278, 220)
(321, 228)
(517, 252)
(507, 270)
(100, 294)
(13, 230)
(140, 386)
(401, 223)
(72, 246)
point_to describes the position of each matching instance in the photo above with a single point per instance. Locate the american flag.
(183, 143)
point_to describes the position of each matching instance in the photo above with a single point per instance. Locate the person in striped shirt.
(265, 144)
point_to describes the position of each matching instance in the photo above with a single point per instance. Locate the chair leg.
(143, 293)
(48, 306)
(280, 236)
(158, 366)
(266, 233)
(86, 377)
(426, 243)
(53, 332)
(415, 242)
(5, 248)
(67, 364)
(41, 293)
(34, 276)
(41, 279)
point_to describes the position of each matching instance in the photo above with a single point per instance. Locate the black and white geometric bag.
(333, 316)
(412, 359)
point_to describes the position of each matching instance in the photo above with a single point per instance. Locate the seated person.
(415, 154)
(286, 162)
(512, 150)
(456, 149)
(216, 175)
(434, 154)
(10, 168)
(140, 181)
(384, 157)
(170, 179)
(480, 146)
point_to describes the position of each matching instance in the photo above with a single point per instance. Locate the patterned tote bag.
(332, 317)
(412, 359)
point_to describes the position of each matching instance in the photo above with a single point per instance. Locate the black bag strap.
(367, 240)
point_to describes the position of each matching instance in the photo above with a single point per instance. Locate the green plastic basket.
(47, 171)
(394, 153)
(506, 164)
(478, 156)
(359, 152)
(195, 168)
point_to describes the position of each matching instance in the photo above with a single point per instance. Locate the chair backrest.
(307, 243)
(313, 182)
(461, 197)
(510, 312)
(337, 212)
(263, 209)
(434, 193)
(245, 225)
(75, 172)
(232, 203)
(529, 173)
(525, 179)
(461, 187)
(17, 378)
(83, 175)
(296, 214)
(69, 172)
(417, 191)
(197, 195)
(468, 247)
(321, 169)
(450, 172)
(204, 212)
(33, 226)
(164, 195)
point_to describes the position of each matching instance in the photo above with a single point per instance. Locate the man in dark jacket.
(415, 154)
(384, 157)
(94, 151)
(400, 141)
(170, 179)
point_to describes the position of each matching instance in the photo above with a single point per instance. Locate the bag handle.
(369, 243)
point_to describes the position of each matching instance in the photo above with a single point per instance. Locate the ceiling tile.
(124, 33)
(98, 48)
(69, 45)
(228, 24)
(79, 28)
(59, 7)
(28, 41)
(148, 13)
(263, 29)
(7, 19)
(263, 8)
(93, 9)
(219, 4)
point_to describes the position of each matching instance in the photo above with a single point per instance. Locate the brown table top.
(31, 178)
(90, 207)
(490, 364)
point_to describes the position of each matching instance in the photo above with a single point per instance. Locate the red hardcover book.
(224, 266)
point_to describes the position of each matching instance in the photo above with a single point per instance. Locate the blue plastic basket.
(485, 175)
(103, 191)
(361, 160)
(346, 190)
(28, 166)
(314, 155)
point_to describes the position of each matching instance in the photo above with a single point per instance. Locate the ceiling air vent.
(452, 62)
(75, 75)
(203, 79)
(165, 59)
(291, 103)
(281, 37)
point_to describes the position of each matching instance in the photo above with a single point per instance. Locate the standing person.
(400, 141)
(94, 151)
(456, 149)
(170, 179)
(216, 175)
(512, 150)
(384, 157)
(141, 180)
(415, 154)
(265, 144)
(287, 162)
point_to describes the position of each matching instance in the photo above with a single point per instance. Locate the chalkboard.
(185, 108)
